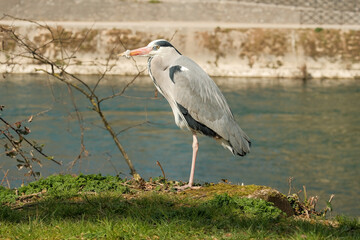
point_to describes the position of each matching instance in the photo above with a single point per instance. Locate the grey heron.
(195, 100)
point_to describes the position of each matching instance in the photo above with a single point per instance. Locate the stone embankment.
(227, 38)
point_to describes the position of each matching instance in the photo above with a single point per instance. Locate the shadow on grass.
(157, 211)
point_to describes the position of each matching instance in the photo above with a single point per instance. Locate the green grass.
(96, 207)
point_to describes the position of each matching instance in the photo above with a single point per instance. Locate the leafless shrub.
(67, 45)
(305, 206)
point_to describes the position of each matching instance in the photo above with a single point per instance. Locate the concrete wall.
(140, 10)
(227, 38)
(240, 11)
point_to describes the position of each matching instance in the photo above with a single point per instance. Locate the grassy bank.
(97, 207)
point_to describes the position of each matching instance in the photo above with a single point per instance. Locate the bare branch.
(172, 37)
(143, 98)
(28, 164)
(122, 91)
(162, 170)
(133, 126)
(5, 177)
(28, 142)
(62, 79)
(109, 160)
(106, 69)
(82, 129)
(83, 40)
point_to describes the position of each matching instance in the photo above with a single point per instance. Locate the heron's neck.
(161, 62)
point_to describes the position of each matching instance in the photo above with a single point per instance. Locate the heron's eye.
(156, 47)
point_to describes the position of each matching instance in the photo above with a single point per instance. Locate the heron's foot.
(186, 187)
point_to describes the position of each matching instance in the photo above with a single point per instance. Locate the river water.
(305, 130)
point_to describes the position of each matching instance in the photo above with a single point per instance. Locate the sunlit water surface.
(308, 131)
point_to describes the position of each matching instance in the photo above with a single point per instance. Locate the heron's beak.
(136, 52)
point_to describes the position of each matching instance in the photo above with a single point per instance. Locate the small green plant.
(67, 186)
(7, 195)
(347, 224)
(154, 1)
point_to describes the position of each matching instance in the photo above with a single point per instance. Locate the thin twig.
(23, 197)
(162, 170)
(82, 41)
(5, 177)
(109, 160)
(140, 98)
(122, 91)
(82, 129)
(133, 126)
(106, 69)
(172, 37)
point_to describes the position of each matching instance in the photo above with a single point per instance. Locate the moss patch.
(331, 43)
(222, 188)
(58, 41)
(6, 42)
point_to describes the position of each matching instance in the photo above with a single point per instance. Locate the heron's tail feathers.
(239, 143)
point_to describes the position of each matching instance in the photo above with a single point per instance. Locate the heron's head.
(155, 48)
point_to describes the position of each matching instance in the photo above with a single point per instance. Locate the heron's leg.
(195, 147)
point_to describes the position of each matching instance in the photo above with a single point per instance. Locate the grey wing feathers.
(198, 94)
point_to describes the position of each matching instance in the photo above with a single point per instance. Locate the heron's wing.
(197, 93)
